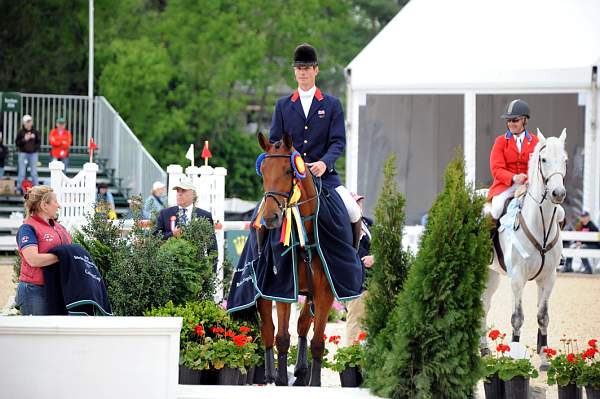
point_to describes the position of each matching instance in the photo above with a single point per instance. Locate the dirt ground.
(7, 288)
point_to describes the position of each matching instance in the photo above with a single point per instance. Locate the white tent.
(475, 47)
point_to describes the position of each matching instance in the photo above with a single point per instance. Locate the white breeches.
(351, 205)
(499, 200)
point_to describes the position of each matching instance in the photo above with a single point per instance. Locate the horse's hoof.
(301, 377)
(281, 382)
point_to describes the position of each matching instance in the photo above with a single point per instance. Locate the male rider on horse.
(510, 156)
(316, 123)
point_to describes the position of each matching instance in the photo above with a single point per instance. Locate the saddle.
(520, 192)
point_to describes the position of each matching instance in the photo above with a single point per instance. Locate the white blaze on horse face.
(553, 164)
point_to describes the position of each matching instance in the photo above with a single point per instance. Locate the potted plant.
(348, 361)
(590, 372)
(565, 368)
(492, 384)
(505, 376)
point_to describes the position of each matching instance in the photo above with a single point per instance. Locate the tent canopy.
(458, 45)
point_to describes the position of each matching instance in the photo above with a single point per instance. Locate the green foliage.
(392, 262)
(349, 356)
(137, 279)
(590, 376)
(221, 342)
(17, 267)
(101, 238)
(189, 274)
(510, 368)
(565, 369)
(435, 327)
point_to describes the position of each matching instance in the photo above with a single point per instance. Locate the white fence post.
(174, 173)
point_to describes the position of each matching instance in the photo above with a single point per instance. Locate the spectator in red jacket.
(60, 141)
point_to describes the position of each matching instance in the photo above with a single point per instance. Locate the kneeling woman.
(39, 233)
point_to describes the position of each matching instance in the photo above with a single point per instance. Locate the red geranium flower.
(240, 340)
(244, 329)
(592, 342)
(571, 358)
(229, 333)
(362, 336)
(549, 352)
(335, 339)
(217, 330)
(494, 334)
(324, 337)
(199, 330)
(503, 348)
(590, 353)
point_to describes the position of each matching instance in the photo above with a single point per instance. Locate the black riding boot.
(356, 231)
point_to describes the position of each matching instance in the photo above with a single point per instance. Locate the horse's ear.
(563, 135)
(540, 136)
(263, 141)
(287, 140)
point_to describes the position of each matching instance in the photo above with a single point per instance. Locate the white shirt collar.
(309, 93)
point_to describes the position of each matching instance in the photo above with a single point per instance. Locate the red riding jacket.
(506, 160)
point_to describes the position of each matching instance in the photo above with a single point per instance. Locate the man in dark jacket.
(28, 144)
(170, 221)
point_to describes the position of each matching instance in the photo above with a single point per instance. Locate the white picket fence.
(210, 188)
(76, 195)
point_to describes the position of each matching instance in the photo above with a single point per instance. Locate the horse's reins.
(546, 246)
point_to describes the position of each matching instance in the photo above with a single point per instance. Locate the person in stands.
(60, 141)
(28, 144)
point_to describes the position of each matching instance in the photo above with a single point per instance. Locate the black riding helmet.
(515, 109)
(305, 55)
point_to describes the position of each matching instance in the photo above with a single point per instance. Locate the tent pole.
(470, 136)
(595, 162)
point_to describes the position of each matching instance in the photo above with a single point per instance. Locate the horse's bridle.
(274, 194)
(545, 179)
(546, 245)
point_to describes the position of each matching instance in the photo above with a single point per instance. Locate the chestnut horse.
(278, 182)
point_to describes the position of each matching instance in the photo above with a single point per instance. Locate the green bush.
(101, 238)
(435, 326)
(137, 279)
(386, 278)
(190, 275)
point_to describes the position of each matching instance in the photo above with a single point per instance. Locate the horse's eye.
(544, 160)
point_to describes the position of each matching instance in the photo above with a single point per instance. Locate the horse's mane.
(533, 162)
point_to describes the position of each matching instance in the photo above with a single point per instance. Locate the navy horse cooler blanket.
(274, 275)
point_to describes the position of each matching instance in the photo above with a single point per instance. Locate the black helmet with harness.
(515, 109)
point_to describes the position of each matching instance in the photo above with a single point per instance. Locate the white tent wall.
(466, 47)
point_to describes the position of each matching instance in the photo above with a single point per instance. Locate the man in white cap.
(28, 144)
(170, 221)
(155, 201)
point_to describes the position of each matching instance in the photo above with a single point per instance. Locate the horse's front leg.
(493, 281)
(322, 302)
(517, 283)
(267, 332)
(544, 290)
(282, 340)
(301, 369)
